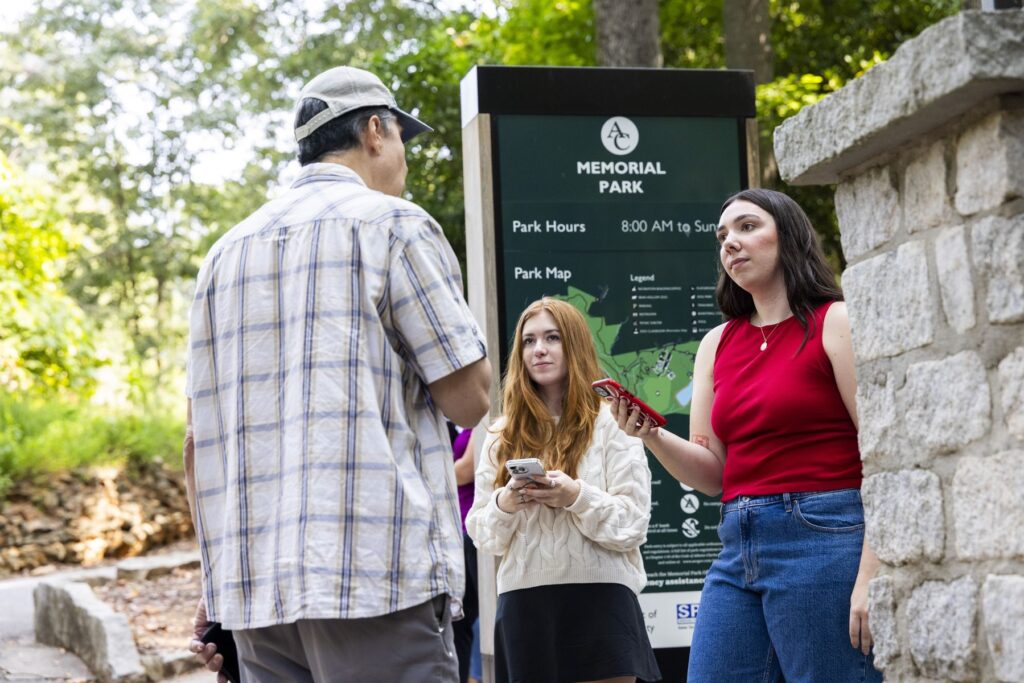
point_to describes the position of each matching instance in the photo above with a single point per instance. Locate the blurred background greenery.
(133, 133)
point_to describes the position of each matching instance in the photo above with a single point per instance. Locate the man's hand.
(205, 653)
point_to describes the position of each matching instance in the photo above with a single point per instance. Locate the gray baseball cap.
(345, 89)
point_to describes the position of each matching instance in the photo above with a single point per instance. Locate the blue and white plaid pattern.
(324, 474)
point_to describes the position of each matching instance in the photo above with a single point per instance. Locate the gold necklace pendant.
(764, 343)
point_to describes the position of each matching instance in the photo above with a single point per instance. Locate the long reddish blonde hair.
(530, 431)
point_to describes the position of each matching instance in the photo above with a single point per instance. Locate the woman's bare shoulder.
(709, 344)
(837, 322)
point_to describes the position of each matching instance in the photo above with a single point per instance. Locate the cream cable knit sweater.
(597, 539)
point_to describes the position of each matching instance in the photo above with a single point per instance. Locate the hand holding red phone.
(631, 420)
(613, 391)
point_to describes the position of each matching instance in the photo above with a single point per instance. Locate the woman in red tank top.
(773, 429)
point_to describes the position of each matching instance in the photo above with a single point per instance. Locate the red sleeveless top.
(779, 412)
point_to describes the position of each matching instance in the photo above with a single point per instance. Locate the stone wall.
(927, 151)
(85, 516)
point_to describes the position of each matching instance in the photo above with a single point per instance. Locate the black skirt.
(571, 632)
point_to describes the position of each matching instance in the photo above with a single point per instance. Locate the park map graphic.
(682, 536)
(662, 376)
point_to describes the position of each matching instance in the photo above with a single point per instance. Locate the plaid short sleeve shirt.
(323, 471)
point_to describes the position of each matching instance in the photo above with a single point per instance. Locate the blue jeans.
(776, 602)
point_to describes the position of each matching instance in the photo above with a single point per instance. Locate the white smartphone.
(525, 468)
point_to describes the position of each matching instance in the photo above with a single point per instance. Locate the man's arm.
(463, 396)
(206, 654)
(188, 456)
(433, 321)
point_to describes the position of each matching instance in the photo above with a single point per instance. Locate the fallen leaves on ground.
(159, 609)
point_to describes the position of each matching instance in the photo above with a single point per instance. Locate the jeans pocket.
(728, 526)
(439, 605)
(833, 512)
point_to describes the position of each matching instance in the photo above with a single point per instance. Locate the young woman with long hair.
(773, 427)
(568, 541)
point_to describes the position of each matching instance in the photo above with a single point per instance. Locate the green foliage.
(820, 46)
(691, 34)
(39, 436)
(256, 57)
(815, 36)
(777, 101)
(94, 91)
(121, 104)
(45, 341)
(428, 76)
(545, 33)
(259, 56)
(18, 421)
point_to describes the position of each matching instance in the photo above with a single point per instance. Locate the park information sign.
(605, 189)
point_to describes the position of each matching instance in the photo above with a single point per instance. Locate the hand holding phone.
(225, 643)
(610, 389)
(525, 469)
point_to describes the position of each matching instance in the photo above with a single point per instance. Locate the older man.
(329, 339)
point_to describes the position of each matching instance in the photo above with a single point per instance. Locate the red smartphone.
(609, 388)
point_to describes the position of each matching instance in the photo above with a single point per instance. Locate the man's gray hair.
(339, 135)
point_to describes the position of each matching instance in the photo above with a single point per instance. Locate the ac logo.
(619, 135)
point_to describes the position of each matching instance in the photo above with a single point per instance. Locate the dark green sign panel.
(617, 215)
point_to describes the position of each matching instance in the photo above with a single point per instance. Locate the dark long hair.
(809, 279)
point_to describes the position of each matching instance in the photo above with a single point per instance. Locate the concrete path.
(23, 659)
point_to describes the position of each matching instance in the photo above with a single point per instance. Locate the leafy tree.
(544, 33)
(68, 108)
(814, 47)
(819, 46)
(97, 92)
(692, 35)
(258, 57)
(125, 101)
(46, 344)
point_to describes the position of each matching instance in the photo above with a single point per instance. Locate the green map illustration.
(662, 376)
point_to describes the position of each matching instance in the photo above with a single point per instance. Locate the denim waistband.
(776, 498)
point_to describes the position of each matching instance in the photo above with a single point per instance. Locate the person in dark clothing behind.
(462, 444)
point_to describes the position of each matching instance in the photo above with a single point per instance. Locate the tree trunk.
(628, 32)
(747, 25)
(748, 38)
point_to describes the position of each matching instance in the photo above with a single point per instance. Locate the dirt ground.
(159, 609)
